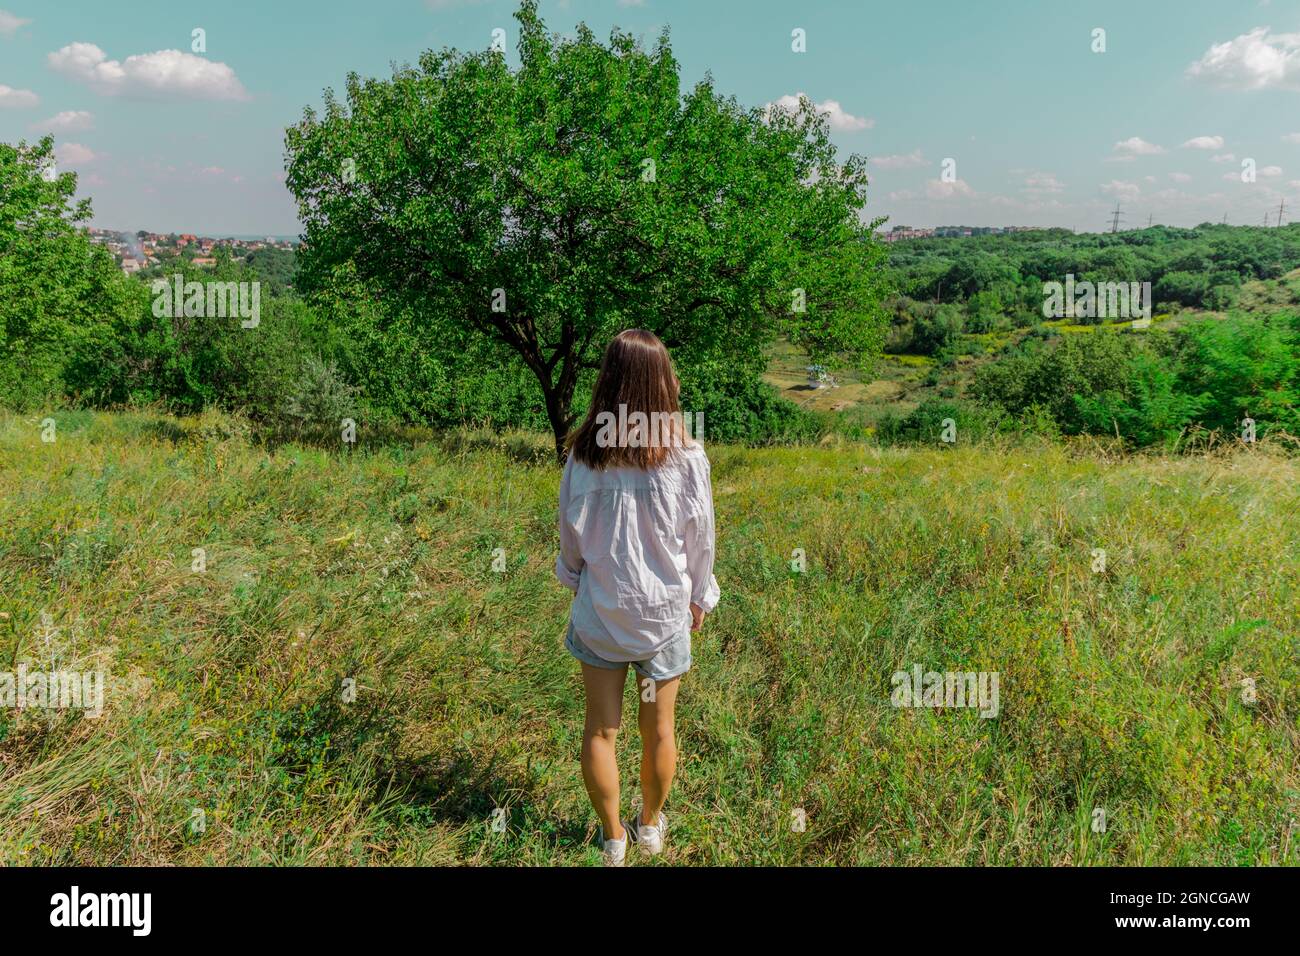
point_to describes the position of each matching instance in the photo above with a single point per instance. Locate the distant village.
(949, 232)
(140, 250)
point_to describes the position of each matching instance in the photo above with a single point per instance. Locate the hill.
(227, 737)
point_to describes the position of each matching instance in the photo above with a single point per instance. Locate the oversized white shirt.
(636, 548)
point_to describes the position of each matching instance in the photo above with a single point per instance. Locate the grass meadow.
(227, 737)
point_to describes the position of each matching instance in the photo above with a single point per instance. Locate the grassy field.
(227, 739)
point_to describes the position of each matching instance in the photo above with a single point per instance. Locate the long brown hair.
(634, 403)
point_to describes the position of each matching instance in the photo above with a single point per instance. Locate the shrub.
(925, 423)
(321, 398)
(935, 332)
(740, 407)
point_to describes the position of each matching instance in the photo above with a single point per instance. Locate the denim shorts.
(671, 660)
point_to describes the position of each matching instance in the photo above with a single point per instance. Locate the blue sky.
(1042, 129)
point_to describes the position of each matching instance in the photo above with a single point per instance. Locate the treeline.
(1231, 379)
(950, 286)
(76, 331)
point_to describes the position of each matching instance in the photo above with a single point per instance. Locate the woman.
(636, 548)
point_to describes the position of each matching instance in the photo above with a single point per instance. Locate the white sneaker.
(613, 852)
(649, 837)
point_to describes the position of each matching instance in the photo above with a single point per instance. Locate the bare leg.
(604, 688)
(658, 748)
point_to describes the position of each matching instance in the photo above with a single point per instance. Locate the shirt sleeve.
(568, 563)
(700, 544)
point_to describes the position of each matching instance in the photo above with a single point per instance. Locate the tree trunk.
(559, 400)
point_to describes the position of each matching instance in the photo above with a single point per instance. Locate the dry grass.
(1119, 690)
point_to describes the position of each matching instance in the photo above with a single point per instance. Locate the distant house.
(130, 266)
(203, 262)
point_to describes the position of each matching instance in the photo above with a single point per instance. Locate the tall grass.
(1119, 690)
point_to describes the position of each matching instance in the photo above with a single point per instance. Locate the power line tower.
(1115, 218)
(1150, 216)
(1225, 218)
(1281, 208)
(1265, 220)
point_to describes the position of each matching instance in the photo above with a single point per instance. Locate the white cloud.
(1180, 177)
(1204, 142)
(900, 161)
(843, 120)
(1121, 189)
(73, 154)
(1043, 183)
(1224, 158)
(17, 99)
(68, 121)
(838, 118)
(9, 23)
(1252, 61)
(938, 189)
(164, 73)
(1291, 138)
(1137, 146)
(1270, 172)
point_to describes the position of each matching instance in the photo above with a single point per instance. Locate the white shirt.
(636, 548)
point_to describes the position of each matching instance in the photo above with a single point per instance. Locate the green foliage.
(549, 207)
(1147, 409)
(320, 398)
(738, 407)
(936, 331)
(190, 362)
(1052, 377)
(1148, 389)
(1244, 367)
(925, 424)
(1185, 266)
(59, 294)
(1185, 288)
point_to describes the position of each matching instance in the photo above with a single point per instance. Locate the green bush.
(320, 397)
(59, 294)
(925, 423)
(932, 333)
(739, 407)
(1149, 388)
(1079, 365)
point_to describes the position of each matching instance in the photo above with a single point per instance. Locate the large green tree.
(548, 206)
(57, 290)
